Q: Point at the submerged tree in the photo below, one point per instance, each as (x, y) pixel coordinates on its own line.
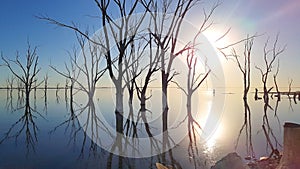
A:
(86, 64)
(269, 55)
(275, 82)
(123, 34)
(244, 64)
(26, 72)
(194, 81)
(133, 69)
(166, 31)
(118, 35)
(9, 86)
(9, 92)
(152, 67)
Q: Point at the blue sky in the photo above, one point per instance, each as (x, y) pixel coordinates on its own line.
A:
(17, 24)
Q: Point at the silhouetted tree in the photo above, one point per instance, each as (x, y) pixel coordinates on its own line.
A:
(124, 33)
(152, 67)
(290, 81)
(45, 92)
(115, 34)
(26, 72)
(9, 86)
(194, 81)
(167, 38)
(275, 82)
(269, 56)
(133, 69)
(85, 64)
(9, 93)
(244, 64)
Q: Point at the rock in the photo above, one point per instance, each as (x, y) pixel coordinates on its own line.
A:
(291, 147)
(160, 166)
(248, 158)
(265, 163)
(230, 161)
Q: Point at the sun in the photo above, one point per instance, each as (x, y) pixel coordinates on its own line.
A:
(217, 38)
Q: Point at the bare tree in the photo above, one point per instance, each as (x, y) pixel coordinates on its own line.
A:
(269, 55)
(19, 87)
(9, 92)
(245, 64)
(116, 34)
(152, 67)
(56, 93)
(46, 82)
(132, 71)
(45, 92)
(66, 91)
(9, 85)
(167, 38)
(27, 72)
(275, 81)
(86, 64)
(194, 81)
(124, 34)
(10, 82)
(290, 82)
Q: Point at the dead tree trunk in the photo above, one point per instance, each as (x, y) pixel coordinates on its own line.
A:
(167, 36)
(275, 82)
(133, 70)
(119, 107)
(290, 88)
(165, 107)
(194, 81)
(245, 67)
(29, 69)
(274, 52)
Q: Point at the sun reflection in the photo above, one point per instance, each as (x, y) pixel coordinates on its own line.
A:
(210, 145)
(211, 131)
(212, 139)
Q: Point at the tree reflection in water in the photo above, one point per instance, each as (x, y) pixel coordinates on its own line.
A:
(272, 143)
(84, 127)
(247, 126)
(268, 130)
(24, 125)
(77, 131)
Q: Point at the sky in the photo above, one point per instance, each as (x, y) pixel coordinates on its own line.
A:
(268, 17)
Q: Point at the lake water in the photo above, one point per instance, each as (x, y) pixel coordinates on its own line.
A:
(55, 134)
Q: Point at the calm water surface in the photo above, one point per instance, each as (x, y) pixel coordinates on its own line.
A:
(54, 134)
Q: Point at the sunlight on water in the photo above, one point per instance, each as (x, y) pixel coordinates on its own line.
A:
(67, 137)
(211, 142)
